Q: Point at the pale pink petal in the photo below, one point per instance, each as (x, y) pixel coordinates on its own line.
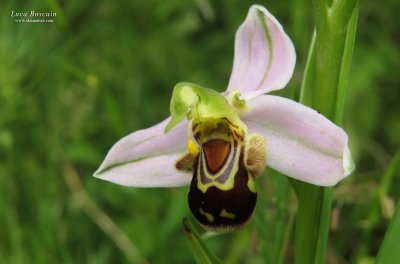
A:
(158, 171)
(301, 143)
(264, 55)
(146, 158)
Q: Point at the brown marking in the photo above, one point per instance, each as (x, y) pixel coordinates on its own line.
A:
(185, 162)
(238, 136)
(217, 151)
(239, 200)
(227, 120)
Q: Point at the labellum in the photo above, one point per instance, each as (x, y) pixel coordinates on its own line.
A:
(222, 194)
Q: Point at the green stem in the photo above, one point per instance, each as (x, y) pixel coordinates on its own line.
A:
(324, 223)
(312, 223)
(323, 88)
(307, 222)
(331, 27)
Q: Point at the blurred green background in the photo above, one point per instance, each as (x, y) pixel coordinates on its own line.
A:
(70, 89)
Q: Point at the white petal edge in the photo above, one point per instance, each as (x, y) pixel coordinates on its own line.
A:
(301, 143)
(264, 57)
(146, 158)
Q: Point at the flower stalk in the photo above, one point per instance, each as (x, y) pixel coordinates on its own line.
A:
(323, 88)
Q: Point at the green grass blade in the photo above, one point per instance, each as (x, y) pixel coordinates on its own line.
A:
(201, 252)
(389, 174)
(376, 210)
(389, 252)
(307, 84)
(346, 63)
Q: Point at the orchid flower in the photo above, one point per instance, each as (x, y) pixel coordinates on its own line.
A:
(219, 143)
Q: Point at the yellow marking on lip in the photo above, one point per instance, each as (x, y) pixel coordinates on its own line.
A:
(192, 148)
(225, 214)
(251, 184)
(209, 216)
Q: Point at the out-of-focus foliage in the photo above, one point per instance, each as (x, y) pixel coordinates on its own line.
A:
(70, 89)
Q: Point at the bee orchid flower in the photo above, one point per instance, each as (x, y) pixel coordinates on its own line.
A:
(219, 143)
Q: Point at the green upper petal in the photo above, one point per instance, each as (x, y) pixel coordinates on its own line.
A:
(201, 104)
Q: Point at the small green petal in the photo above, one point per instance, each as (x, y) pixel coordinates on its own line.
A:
(200, 104)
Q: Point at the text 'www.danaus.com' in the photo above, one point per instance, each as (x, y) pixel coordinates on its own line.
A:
(34, 20)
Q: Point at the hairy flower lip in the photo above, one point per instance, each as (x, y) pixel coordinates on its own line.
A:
(301, 143)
